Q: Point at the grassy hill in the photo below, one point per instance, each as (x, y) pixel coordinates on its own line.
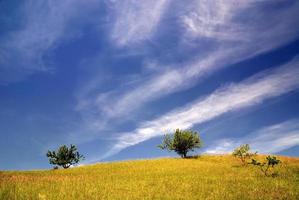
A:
(206, 177)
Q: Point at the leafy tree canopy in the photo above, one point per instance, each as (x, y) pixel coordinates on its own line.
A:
(65, 156)
(182, 141)
(243, 153)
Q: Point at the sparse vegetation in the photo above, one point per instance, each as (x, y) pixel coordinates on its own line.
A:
(243, 153)
(64, 156)
(204, 177)
(181, 142)
(208, 177)
(267, 167)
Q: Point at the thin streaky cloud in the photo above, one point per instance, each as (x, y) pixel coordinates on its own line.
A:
(270, 139)
(253, 38)
(250, 92)
(213, 19)
(136, 21)
(43, 27)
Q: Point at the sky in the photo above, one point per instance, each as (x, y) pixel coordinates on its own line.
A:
(113, 77)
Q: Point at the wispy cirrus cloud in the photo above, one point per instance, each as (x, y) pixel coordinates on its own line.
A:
(214, 19)
(250, 92)
(270, 139)
(135, 20)
(259, 30)
(44, 25)
(232, 40)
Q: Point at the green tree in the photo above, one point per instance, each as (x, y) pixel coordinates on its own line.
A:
(243, 153)
(182, 141)
(65, 156)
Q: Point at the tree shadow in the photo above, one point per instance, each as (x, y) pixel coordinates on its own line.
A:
(193, 157)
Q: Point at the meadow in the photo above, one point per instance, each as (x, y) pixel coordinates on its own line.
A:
(205, 177)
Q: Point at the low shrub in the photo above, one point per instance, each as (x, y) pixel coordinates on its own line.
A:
(267, 167)
(243, 153)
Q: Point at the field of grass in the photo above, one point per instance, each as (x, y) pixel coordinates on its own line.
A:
(206, 177)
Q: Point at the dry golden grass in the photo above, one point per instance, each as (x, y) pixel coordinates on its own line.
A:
(207, 177)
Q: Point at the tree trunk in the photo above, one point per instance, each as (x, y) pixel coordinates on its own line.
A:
(66, 166)
(185, 155)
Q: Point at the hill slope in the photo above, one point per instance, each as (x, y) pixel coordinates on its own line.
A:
(207, 177)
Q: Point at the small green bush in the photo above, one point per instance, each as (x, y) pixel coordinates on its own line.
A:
(267, 167)
(243, 153)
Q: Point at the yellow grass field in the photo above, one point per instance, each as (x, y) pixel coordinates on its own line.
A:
(206, 177)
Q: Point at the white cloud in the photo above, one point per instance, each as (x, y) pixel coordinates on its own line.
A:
(235, 40)
(43, 26)
(252, 91)
(250, 25)
(214, 19)
(136, 20)
(271, 139)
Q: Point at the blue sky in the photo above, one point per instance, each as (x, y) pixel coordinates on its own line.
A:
(113, 77)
